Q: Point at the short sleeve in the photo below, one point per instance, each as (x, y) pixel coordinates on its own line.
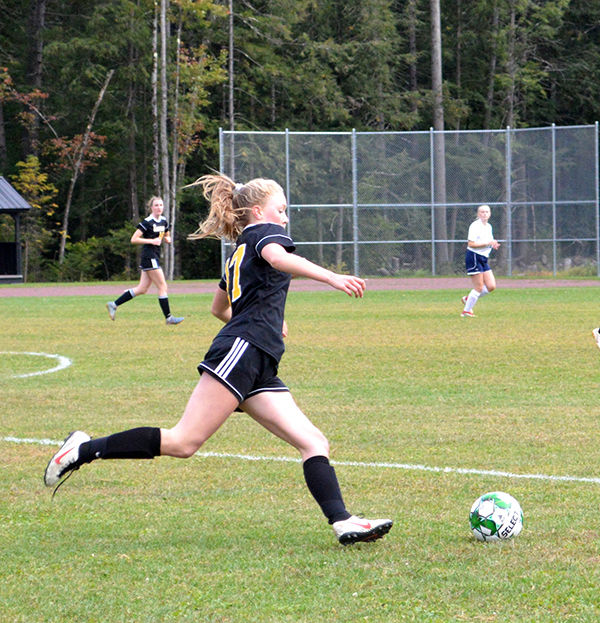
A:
(275, 234)
(472, 235)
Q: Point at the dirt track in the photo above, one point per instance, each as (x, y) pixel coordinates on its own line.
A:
(298, 285)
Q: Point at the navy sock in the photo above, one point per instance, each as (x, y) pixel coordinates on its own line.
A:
(323, 484)
(136, 443)
(164, 305)
(126, 296)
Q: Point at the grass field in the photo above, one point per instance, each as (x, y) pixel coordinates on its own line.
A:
(398, 381)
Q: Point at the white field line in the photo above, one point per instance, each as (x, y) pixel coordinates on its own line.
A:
(402, 466)
(63, 362)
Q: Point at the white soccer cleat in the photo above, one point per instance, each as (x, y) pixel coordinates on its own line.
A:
(464, 299)
(112, 309)
(356, 529)
(62, 462)
(596, 334)
(468, 314)
(174, 320)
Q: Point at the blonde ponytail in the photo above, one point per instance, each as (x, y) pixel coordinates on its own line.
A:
(230, 204)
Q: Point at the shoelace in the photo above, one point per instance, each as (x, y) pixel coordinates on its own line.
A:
(62, 482)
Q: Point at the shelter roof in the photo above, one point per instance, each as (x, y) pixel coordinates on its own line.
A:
(10, 199)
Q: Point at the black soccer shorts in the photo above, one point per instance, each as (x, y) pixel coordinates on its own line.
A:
(149, 263)
(242, 367)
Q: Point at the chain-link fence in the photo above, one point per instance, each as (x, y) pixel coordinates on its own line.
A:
(400, 203)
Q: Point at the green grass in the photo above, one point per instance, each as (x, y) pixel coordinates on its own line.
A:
(397, 378)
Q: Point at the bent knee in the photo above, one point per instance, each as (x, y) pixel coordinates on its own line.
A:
(319, 444)
(179, 448)
(185, 451)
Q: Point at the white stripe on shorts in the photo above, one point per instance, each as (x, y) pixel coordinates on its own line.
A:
(232, 357)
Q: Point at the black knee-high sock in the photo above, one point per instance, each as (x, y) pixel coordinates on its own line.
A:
(323, 484)
(164, 305)
(136, 443)
(126, 296)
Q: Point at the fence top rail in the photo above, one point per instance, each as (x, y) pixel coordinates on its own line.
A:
(428, 241)
(500, 204)
(286, 132)
(403, 132)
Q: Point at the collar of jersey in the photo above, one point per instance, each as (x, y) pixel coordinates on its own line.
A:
(264, 223)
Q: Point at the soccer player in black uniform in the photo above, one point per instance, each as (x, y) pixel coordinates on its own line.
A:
(239, 370)
(150, 232)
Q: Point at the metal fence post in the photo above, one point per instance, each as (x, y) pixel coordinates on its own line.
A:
(554, 199)
(597, 202)
(508, 199)
(221, 168)
(355, 204)
(432, 192)
(287, 179)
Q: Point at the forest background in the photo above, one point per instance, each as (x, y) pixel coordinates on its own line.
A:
(104, 103)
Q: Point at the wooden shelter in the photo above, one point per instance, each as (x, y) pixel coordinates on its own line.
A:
(12, 204)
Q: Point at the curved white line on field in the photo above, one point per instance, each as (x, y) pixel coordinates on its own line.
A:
(403, 466)
(63, 362)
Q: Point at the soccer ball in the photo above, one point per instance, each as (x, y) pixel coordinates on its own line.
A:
(496, 516)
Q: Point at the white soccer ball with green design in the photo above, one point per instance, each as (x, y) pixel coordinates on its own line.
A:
(496, 516)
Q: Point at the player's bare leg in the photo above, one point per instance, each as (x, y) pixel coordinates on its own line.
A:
(141, 288)
(278, 413)
(209, 406)
(157, 277)
(489, 281)
(473, 296)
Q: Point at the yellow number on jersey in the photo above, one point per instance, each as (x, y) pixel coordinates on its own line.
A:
(233, 288)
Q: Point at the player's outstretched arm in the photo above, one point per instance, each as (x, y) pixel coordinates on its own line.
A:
(298, 266)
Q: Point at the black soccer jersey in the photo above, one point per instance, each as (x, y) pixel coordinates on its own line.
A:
(150, 229)
(256, 290)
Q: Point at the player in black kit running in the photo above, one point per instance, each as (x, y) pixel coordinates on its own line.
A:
(150, 232)
(239, 371)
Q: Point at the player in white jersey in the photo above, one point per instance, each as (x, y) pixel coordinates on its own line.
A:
(596, 334)
(480, 243)
(239, 371)
(150, 232)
